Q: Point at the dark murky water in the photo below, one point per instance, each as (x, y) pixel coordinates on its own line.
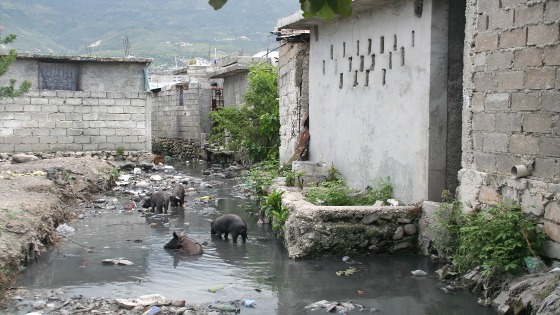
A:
(258, 270)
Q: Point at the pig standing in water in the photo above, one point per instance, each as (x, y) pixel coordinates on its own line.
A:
(229, 223)
(158, 200)
(177, 196)
(184, 244)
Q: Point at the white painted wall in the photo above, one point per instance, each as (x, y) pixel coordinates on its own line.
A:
(378, 130)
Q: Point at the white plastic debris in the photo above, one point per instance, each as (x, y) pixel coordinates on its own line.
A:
(65, 230)
(393, 202)
(156, 177)
(142, 184)
(144, 300)
(419, 273)
(124, 177)
(137, 170)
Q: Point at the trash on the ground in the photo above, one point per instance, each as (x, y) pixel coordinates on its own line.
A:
(129, 205)
(225, 308)
(556, 269)
(419, 273)
(154, 310)
(348, 272)
(117, 261)
(206, 198)
(142, 184)
(340, 307)
(345, 258)
(137, 171)
(65, 230)
(215, 289)
(168, 167)
(534, 264)
(144, 300)
(393, 202)
(361, 292)
(125, 177)
(156, 177)
(249, 303)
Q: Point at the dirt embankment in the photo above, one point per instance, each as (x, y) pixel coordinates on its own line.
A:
(36, 197)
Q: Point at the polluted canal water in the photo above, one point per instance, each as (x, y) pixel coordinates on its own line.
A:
(257, 272)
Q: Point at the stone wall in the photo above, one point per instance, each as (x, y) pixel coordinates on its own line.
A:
(293, 89)
(512, 110)
(326, 231)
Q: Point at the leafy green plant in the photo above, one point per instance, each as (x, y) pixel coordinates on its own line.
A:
(447, 222)
(5, 61)
(255, 125)
(293, 178)
(335, 193)
(274, 211)
(260, 176)
(120, 150)
(497, 238)
(115, 172)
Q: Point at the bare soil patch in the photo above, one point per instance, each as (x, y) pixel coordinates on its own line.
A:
(38, 196)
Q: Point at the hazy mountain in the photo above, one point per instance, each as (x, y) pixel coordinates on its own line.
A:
(162, 29)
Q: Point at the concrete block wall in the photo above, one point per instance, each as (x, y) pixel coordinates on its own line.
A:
(512, 108)
(293, 89)
(172, 120)
(49, 120)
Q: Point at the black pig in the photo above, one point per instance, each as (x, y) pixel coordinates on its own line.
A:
(229, 223)
(177, 195)
(158, 200)
(184, 244)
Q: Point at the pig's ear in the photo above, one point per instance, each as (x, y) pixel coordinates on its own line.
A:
(175, 235)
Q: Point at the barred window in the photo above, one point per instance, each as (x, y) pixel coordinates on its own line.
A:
(59, 76)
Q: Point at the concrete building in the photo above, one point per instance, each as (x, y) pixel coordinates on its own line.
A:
(76, 104)
(512, 109)
(383, 101)
(233, 69)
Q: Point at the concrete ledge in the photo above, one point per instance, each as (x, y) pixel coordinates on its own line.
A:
(324, 231)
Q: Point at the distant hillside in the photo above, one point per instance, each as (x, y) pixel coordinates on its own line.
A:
(162, 30)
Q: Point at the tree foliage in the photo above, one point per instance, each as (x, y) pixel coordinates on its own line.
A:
(254, 126)
(5, 61)
(326, 9)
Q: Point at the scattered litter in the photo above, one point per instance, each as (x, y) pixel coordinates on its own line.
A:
(348, 272)
(206, 198)
(168, 167)
(419, 273)
(225, 308)
(340, 307)
(249, 303)
(215, 289)
(557, 269)
(142, 184)
(345, 258)
(137, 171)
(144, 300)
(393, 202)
(65, 230)
(125, 177)
(152, 311)
(156, 177)
(117, 261)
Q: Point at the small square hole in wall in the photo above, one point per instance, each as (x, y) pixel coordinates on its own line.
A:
(390, 60)
(367, 78)
(402, 56)
(323, 67)
(355, 78)
(382, 44)
(383, 75)
(332, 52)
(413, 38)
(369, 46)
(372, 67)
(395, 42)
(341, 81)
(357, 48)
(349, 64)
(343, 50)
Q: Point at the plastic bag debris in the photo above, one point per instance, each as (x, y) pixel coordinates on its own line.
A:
(249, 303)
(65, 230)
(419, 273)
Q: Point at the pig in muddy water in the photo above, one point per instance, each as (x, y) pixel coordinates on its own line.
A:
(177, 197)
(184, 244)
(229, 223)
(158, 200)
